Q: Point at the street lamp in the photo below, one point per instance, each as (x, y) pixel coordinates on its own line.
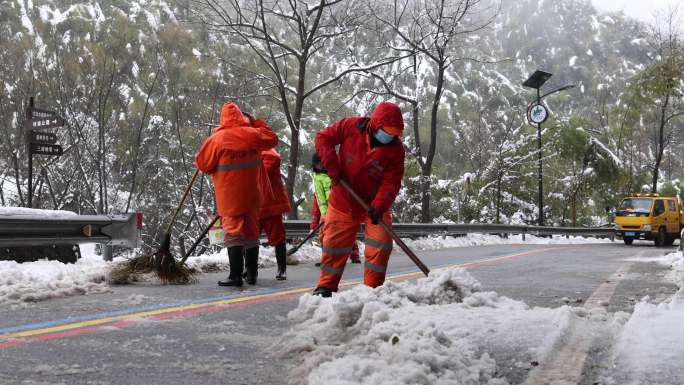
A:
(537, 114)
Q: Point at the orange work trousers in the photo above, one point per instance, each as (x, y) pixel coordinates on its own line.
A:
(274, 228)
(339, 235)
(241, 230)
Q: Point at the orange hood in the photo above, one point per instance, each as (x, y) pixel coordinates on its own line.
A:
(231, 116)
(387, 114)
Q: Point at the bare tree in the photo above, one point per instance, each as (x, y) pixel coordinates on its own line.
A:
(288, 38)
(659, 89)
(434, 30)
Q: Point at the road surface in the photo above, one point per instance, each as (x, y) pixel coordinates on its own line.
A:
(205, 334)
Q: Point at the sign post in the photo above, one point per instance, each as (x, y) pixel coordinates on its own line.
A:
(537, 113)
(39, 142)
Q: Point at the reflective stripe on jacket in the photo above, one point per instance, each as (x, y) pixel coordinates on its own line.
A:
(232, 156)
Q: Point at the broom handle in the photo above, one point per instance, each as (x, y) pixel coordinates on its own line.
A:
(387, 228)
(308, 236)
(180, 205)
(200, 238)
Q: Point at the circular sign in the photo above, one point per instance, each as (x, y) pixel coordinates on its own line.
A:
(537, 114)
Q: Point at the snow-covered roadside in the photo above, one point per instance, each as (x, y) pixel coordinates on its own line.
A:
(25, 212)
(41, 280)
(436, 330)
(650, 348)
(438, 242)
(22, 283)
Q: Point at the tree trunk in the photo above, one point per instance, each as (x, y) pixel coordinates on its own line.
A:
(294, 141)
(498, 200)
(426, 170)
(660, 144)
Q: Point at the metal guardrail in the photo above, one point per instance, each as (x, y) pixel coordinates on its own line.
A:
(29, 230)
(412, 230)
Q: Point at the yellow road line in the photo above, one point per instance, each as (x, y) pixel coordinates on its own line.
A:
(148, 313)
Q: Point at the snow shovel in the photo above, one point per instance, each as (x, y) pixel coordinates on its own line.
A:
(389, 230)
(306, 239)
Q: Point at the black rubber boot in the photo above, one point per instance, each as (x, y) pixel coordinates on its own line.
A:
(235, 258)
(281, 260)
(323, 292)
(252, 264)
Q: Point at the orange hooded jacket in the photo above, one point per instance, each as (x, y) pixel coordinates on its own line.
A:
(274, 196)
(232, 156)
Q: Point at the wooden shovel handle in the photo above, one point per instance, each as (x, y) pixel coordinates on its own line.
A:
(387, 228)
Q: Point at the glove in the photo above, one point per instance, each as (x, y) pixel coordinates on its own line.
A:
(374, 215)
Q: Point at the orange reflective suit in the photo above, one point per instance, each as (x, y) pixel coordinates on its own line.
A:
(375, 171)
(274, 199)
(232, 156)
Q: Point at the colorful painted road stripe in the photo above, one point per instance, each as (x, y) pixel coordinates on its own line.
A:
(46, 331)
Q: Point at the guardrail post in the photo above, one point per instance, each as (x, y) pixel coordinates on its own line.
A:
(107, 251)
(524, 231)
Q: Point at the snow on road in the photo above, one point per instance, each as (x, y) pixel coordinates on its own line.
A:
(42, 280)
(650, 348)
(436, 330)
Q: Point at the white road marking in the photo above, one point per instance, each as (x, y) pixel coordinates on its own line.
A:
(564, 367)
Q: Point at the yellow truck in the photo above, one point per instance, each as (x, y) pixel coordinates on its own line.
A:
(651, 217)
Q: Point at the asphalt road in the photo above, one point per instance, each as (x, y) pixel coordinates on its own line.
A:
(205, 334)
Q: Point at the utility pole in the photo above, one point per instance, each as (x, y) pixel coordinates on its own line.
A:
(540, 173)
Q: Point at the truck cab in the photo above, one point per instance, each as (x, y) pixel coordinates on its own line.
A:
(651, 217)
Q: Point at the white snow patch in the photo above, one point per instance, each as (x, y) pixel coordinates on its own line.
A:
(650, 347)
(219, 261)
(438, 242)
(41, 280)
(435, 330)
(23, 212)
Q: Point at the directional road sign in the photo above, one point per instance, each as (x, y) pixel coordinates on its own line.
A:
(37, 113)
(43, 137)
(42, 124)
(46, 149)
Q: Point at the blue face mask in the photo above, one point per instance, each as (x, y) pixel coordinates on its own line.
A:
(383, 137)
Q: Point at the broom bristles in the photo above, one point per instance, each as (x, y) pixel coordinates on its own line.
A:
(162, 263)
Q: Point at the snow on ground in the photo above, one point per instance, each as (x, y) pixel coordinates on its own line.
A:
(219, 261)
(435, 330)
(650, 348)
(438, 242)
(41, 280)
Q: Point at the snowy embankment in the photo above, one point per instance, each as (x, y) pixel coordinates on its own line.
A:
(650, 347)
(41, 280)
(436, 330)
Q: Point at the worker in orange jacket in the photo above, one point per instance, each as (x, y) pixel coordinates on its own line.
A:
(232, 156)
(371, 159)
(274, 204)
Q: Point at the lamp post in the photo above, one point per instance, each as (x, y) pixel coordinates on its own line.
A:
(537, 114)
